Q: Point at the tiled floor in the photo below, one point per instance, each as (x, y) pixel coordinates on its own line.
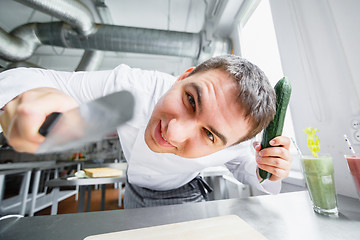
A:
(69, 205)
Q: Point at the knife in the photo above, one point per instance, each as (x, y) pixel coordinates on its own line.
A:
(87, 123)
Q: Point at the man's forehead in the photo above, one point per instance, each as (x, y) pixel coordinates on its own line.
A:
(224, 112)
(217, 77)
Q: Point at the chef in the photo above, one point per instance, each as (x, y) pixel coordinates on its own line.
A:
(204, 117)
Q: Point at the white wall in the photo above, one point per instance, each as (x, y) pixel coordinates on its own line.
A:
(320, 52)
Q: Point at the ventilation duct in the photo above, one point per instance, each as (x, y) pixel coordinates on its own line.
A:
(80, 18)
(105, 37)
(103, 12)
(75, 13)
(22, 64)
(92, 59)
(122, 39)
(21, 43)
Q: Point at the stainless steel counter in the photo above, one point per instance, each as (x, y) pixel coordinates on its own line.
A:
(284, 216)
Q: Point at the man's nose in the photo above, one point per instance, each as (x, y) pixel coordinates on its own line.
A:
(180, 130)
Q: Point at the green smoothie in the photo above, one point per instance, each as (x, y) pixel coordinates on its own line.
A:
(319, 174)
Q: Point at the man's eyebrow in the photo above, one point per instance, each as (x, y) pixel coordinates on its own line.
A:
(198, 90)
(222, 137)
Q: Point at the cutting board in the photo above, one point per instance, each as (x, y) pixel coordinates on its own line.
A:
(230, 227)
(103, 172)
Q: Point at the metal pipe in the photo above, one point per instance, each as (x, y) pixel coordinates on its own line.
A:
(107, 38)
(79, 17)
(92, 59)
(22, 64)
(103, 12)
(20, 44)
(122, 39)
(75, 13)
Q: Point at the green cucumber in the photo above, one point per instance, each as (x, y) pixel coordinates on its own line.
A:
(275, 127)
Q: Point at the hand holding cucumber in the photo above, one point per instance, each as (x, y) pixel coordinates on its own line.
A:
(275, 148)
(276, 159)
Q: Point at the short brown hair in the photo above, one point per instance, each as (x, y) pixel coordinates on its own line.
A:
(255, 95)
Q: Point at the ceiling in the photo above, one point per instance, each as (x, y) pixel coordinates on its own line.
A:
(173, 15)
(177, 15)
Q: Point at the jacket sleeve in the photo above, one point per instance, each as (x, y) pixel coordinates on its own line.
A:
(244, 167)
(82, 86)
(86, 86)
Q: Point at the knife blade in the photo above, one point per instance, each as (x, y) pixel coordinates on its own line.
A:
(87, 123)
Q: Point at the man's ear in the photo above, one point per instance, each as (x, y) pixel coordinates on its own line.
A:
(185, 74)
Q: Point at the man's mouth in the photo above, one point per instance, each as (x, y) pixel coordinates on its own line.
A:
(162, 135)
(160, 138)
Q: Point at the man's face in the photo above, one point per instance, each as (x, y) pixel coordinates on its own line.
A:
(198, 116)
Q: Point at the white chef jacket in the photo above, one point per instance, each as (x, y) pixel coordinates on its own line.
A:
(157, 171)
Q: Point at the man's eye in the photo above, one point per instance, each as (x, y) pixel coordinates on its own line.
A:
(191, 101)
(210, 135)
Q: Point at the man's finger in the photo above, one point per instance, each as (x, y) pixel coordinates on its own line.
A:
(280, 141)
(257, 146)
(276, 152)
(278, 172)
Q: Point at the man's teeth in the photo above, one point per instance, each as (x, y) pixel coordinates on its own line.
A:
(163, 136)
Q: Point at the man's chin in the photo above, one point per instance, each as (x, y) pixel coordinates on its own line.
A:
(151, 145)
(150, 142)
(157, 149)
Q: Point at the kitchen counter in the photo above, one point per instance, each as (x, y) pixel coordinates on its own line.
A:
(284, 216)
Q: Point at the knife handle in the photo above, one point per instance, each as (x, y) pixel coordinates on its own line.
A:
(49, 123)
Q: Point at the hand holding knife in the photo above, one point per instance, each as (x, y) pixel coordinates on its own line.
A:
(88, 122)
